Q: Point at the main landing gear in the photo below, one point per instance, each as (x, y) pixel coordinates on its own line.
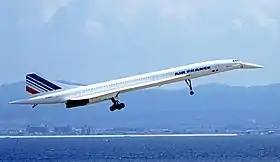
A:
(116, 105)
(189, 82)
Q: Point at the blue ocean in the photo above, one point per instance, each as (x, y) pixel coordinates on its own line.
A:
(240, 148)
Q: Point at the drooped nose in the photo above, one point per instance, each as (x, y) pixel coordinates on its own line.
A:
(246, 65)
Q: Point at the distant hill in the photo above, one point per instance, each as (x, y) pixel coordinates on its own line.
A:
(213, 104)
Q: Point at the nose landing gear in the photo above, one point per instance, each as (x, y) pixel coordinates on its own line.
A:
(189, 82)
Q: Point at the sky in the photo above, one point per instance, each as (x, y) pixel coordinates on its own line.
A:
(96, 40)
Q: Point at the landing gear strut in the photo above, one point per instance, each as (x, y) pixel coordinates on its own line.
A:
(116, 105)
(189, 82)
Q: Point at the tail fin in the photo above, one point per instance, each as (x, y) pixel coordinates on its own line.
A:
(36, 84)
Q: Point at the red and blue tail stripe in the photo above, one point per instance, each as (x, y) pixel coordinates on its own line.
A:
(33, 85)
(36, 84)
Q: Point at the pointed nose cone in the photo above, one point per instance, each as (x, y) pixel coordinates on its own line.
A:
(246, 65)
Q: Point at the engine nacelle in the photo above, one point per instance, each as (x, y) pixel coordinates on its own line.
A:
(76, 103)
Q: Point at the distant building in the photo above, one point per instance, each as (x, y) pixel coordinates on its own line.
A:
(37, 130)
(63, 130)
(86, 130)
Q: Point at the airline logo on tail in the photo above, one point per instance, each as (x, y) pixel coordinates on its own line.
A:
(36, 84)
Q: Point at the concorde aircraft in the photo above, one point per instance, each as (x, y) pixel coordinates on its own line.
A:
(45, 91)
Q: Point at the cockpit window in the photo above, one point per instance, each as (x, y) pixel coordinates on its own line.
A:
(236, 61)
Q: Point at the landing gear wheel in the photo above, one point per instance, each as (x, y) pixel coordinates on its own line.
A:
(191, 92)
(116, 105)
(112, 108)
(121, 106)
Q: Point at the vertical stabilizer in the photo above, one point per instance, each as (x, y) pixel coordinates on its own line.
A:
(36, 84)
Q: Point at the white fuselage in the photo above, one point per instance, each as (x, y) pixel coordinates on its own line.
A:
(193, 71)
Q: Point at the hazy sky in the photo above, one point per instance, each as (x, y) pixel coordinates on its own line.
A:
(94, 40)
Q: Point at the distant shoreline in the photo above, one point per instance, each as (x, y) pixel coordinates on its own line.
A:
(123, 135)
